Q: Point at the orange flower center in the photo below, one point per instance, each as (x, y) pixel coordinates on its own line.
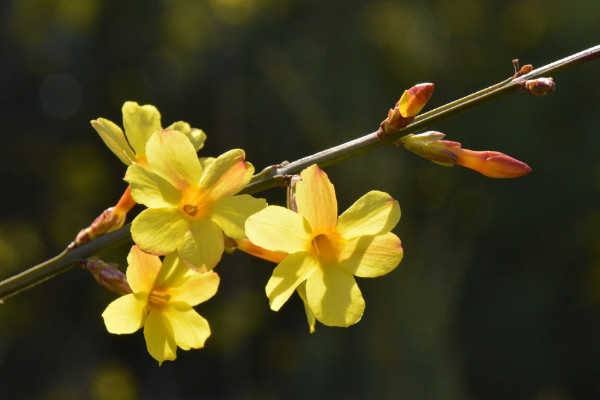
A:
(326, 247)
(195, 202)
(157, 300)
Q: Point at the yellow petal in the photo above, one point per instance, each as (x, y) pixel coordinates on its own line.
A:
(371, 256)
(194, 287)
(227, 174)
(196, 136)
(171, 155)
(374, 213)
(126, 314)
(292, 271)
(315, 197)
(278, 229)
(202, 247)
(114, 138)
(231, 212)
(334, 297)
(310, 317)
(142, 270)
(150, 189)
(159, 230)
(160, 339)
(190, 329)
(140, 122)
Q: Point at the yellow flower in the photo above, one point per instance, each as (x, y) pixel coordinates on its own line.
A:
(140, 122)
(161, 302)
(324, 252)
(190, 202)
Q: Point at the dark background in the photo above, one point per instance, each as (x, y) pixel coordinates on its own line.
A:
(498, 296)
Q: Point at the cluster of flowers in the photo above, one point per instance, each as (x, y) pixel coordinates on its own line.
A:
(194, 211)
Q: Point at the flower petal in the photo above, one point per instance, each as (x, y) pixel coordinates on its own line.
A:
(315, 198)
(142, 270)
(231, 212)
(197, 287)
(292, 271)
(160, 339)
(310, 317)
(334, 297)
(171, 155)
(126, 314)
(159, 230)
(196, 136)
(189, 328)
(278, 229)
(374, 213)
(227, 174)
(150, 189)
(202, 247)
(114, 138)
(371, 256)
(140, 122)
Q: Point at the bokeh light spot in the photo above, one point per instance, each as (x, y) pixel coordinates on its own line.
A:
(61, 95)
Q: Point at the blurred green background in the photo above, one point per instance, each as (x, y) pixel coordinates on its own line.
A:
(498, 296)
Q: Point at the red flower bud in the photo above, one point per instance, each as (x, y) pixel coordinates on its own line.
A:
(489, 163)
(410, 104)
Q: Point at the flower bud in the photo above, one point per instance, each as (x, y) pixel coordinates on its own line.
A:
(492, 163)
(414, 99)
(489, 163)
(107, 275)
(110, 220)
(539, 87)
(410, 104)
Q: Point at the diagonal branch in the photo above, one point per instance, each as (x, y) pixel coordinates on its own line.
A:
(275, 175)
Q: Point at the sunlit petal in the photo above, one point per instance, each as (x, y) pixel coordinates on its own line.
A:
(198, 287)
(372, 214)
(150, 189)
(189, 328)
(202, 247)
(231, 212)
(159, 230)
(371, 256)
(142, 270)
(310, 317)
(114, 138)
(140, 122)
(160, 339)
(126, 314)
(196, 136)
(315, 197)
(286, 277)
(334, 297)
(171, 155)
(227, 174)
(278, 229)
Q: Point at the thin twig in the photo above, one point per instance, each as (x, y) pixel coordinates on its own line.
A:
(275, 175)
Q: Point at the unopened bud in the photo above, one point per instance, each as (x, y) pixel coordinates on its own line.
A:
(539, 87)
(109, 220)
(423, 145)
(410, 104)
(493, 164)
(414, 99)
(107, 275)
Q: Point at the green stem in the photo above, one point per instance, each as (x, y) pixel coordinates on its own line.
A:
(275, 175)
(61, 263)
